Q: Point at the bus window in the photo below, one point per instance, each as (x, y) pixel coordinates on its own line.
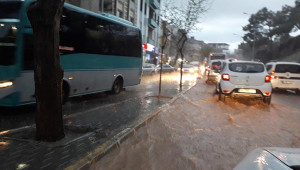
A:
(8, 33)
(72, 32)
(10, 9)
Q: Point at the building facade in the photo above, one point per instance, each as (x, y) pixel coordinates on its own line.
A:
(193, 49)
(220, 46)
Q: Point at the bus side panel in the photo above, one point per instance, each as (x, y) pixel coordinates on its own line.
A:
(21, 92)
(91, 72)
(85, 82)
(25, 84)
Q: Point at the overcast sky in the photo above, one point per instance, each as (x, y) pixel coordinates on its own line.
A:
(224, 20)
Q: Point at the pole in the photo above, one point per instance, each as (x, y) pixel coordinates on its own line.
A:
(160, 72)
(181, 64)
(253, 48)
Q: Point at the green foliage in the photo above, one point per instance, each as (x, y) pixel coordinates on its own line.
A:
(268, 30)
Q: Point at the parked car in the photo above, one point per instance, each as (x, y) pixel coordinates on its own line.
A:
(285, 75)
(271, 158)
(148, 69)
(165, 68)
(195, 63)
(214, 70)
(244, 79)
(187, 68)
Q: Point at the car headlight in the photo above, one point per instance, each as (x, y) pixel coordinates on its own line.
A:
(191, 70)
(178, 69)
(5, 84)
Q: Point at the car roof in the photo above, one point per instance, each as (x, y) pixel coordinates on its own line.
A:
(283, 62)
(250, 62)
(217, 60)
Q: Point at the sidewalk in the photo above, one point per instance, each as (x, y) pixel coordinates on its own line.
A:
(88, 136)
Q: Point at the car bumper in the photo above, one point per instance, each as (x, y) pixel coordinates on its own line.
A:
(285, 84)
(248, 91)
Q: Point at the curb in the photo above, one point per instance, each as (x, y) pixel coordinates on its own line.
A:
(87, 161)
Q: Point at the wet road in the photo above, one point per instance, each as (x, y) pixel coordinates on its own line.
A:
(199, 132)
(134, 100)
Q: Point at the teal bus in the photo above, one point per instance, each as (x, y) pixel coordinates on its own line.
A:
(98, 52)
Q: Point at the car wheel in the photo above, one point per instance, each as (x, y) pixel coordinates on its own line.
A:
(117, 86)
(221, 96)
(267, 100)
(298, 91)
(217, 89)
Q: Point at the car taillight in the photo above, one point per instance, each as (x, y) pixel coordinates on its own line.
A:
(225, 77)
(273, 76)
(268, 78)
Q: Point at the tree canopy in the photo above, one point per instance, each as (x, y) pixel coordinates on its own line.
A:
(268, 30)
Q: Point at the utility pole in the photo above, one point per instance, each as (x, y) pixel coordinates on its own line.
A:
(253, 49)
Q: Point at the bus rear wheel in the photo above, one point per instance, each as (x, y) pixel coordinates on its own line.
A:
(117, 86)
(65, 93)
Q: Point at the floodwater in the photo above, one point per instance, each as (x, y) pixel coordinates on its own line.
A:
(199, 132)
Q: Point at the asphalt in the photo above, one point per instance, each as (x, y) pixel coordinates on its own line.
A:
(89, 137)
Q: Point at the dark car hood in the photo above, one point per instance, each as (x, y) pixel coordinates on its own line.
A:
(271, 158)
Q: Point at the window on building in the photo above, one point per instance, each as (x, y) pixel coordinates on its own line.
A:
(120, 13)
(145, 9)
(141, 6)
(132, 20)
(150, 33)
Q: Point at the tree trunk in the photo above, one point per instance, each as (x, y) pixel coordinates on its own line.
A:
(44, 16)
(180, 46)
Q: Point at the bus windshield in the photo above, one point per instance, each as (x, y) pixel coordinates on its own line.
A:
(9, 11)
(8, 33)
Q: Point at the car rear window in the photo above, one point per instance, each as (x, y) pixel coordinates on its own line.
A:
(269, 67)
(246, 67)
(291, 68)
(216, 65)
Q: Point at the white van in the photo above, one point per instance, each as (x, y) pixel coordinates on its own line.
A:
(285, 75)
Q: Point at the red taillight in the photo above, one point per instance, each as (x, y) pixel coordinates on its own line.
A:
(268, 78)
(274, 77)
(267, 93)
(225, 77)
(225, 91)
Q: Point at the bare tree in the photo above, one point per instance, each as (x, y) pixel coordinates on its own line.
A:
(184, 15)
(44, 16)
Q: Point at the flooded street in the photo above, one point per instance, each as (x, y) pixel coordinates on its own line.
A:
(132, 100)
(199, 132)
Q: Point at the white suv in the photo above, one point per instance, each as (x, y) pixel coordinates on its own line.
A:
(285, 75)
(244, 79)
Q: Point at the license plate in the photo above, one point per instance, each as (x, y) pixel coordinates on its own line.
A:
(287, 82)
(247, 90)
